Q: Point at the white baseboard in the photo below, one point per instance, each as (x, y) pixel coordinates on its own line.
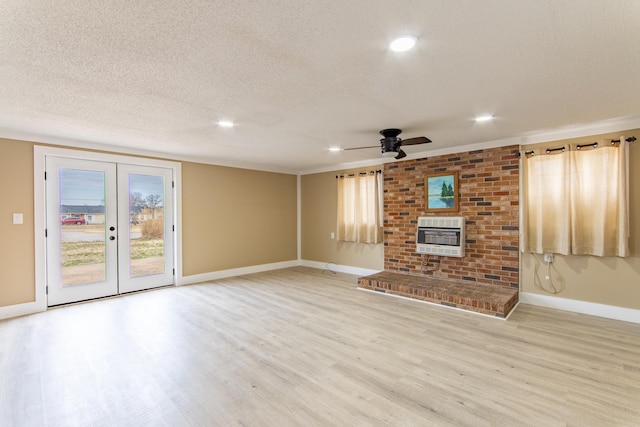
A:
(583, 307)
(339, 268)
(21, 309)
(39, 306)
(223, 274)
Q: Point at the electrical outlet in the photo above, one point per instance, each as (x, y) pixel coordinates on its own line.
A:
(548, 258)
(333, 235)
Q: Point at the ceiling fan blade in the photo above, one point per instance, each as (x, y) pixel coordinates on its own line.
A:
(360, 148)
(401, 154)
(415, 141)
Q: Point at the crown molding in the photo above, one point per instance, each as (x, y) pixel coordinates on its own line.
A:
(547, 135)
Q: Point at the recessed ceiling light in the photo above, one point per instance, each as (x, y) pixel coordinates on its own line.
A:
(403, 43)
(225, 123)
(335, 149)
(486, 118)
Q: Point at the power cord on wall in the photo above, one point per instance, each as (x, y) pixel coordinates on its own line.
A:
(328, 269)
(425, 264)
(551, 287)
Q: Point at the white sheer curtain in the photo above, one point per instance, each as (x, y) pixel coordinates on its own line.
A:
(577, 201)
(600, 201)
(360, 208)
(547, 227)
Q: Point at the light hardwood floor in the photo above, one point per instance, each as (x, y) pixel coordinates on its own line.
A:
(299, 347)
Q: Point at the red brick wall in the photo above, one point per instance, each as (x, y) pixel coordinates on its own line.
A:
(488, 200)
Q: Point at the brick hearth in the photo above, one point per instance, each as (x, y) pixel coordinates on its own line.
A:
(486, 299)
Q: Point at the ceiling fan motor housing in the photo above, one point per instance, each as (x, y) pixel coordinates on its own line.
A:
(390, 145)
(390, 133)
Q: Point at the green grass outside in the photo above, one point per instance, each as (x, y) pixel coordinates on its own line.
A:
(83, 253)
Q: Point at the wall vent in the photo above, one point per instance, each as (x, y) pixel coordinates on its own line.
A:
(441, 235)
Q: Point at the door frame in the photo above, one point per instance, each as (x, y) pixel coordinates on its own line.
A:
(40, 153)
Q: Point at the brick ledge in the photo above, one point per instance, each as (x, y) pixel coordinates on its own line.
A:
(486, 299)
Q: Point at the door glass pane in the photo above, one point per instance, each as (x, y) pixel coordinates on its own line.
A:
(146, 225)
(82, 231)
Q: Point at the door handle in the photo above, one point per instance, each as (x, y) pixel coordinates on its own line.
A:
(112, 237)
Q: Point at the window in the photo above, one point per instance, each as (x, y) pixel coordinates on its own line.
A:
(576, 201)
(360, 208)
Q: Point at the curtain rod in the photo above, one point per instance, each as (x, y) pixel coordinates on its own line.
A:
(551, 150)
(630, 139)
(351, 175)
(578, 147)
(593, 144)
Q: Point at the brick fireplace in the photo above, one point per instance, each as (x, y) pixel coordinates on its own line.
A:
(488, 200)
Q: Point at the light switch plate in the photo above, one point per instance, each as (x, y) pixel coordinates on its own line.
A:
(18, 218)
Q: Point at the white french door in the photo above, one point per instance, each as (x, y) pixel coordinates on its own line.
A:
(82, 254)
(109, 228)
(145, 215)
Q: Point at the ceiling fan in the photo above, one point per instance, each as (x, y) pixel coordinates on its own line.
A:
(390, 143)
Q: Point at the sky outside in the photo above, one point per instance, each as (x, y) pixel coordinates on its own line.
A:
(81, 187)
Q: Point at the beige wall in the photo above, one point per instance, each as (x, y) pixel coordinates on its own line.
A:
(612, 281)
(236, 218)
(319, 207)
(17, 277)
(231, 218)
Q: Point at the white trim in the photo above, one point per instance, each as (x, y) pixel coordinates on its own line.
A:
(353, 165)
(232, 272)
(44, 150)
(589, 129)
(177, 237)
(442, 305)
(521, 203)
(583, 307)
(39, 154)
(48, 140)
(421, 154)
(39, 226)
(338, 268)
(299, 217)
(21, 309)
(575, 131)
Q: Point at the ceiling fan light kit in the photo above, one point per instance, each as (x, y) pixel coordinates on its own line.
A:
(389, 154)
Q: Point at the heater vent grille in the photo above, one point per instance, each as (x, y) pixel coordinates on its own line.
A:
(441, 221)
(441, 236)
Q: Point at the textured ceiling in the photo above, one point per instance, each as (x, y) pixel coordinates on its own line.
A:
(300, 76)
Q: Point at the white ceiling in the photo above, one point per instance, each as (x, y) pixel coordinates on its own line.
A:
(299, 76)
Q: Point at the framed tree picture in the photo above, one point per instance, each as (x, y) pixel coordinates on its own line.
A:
(441, 192)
